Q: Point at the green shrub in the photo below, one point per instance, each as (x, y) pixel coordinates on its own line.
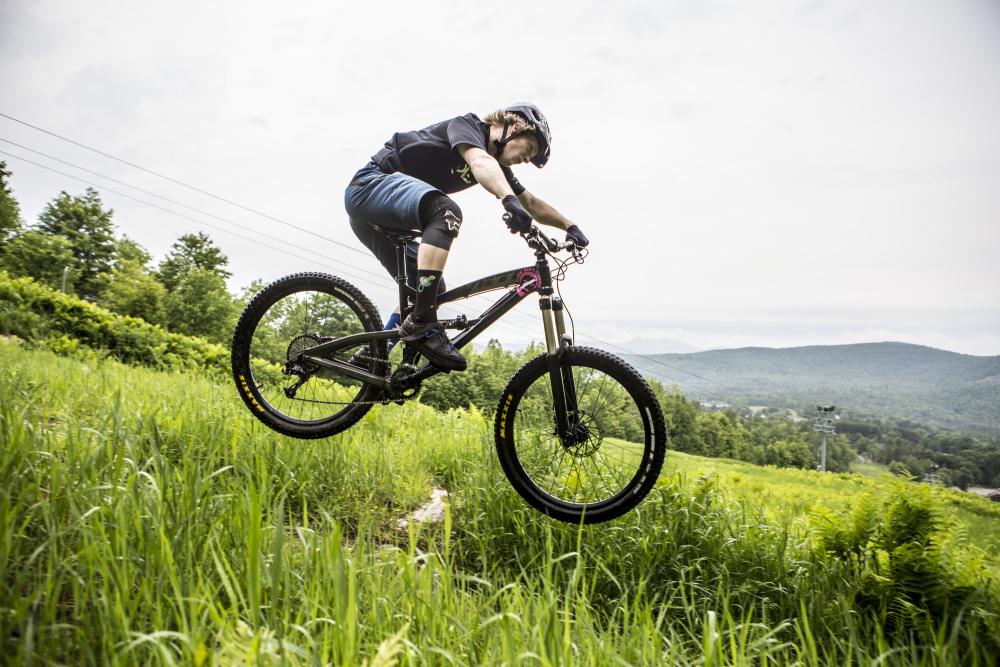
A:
(48, 318)
(905, 576)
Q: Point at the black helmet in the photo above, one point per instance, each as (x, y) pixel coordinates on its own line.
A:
(533, 115)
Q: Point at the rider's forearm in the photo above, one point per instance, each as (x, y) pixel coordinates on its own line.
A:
(489, 175)
(545, 214)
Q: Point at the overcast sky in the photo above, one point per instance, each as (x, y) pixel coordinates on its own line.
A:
(769, 173)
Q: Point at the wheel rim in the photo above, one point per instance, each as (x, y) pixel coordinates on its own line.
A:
(607, 450)
(294, 322)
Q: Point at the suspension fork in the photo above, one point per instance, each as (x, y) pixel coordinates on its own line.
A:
(560, 376)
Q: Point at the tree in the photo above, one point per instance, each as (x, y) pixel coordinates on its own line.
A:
(790, 453)
(680, 416)
(720, 434)
(10, 210)
(200, 305)
(41, 256)
(482, 383)
(127, 250)
(88, 227)
(130, 288)
(192, 252)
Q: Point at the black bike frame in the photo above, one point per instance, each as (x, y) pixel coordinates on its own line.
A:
(519, 283)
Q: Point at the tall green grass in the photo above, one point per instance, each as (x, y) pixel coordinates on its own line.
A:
(146, 518)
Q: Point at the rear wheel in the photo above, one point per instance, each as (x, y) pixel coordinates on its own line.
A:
(288, 316)
(599, 463)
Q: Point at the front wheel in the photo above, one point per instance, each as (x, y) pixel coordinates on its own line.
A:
(597, 454)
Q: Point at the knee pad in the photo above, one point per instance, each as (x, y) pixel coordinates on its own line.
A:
(441, 218)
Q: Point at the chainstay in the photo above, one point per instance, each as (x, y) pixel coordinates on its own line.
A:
(398, 399)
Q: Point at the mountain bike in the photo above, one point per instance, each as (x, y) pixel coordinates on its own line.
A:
(579, 433)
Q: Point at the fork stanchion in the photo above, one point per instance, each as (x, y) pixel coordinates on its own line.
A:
(545, 304)
(562, 338)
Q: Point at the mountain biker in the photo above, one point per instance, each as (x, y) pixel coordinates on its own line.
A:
(405, 187)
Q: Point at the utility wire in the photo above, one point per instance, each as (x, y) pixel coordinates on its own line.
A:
(191, 187)
(256, 212)
(172, 201)
(187, 217)
(185, 185)
(664, 364)
(338, 267)
(196, 210)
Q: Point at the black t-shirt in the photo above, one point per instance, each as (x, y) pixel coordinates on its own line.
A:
(431, 154)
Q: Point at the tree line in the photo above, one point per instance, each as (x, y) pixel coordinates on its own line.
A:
(910, 448)
(73, 246)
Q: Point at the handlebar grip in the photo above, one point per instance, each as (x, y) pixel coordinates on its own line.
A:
(507, 217)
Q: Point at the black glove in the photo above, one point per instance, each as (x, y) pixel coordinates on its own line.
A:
(575, 234)
(517, 219)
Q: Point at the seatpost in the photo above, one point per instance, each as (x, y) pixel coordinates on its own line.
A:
(404, 300)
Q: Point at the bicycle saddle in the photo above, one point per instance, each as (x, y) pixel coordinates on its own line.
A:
(397, 234)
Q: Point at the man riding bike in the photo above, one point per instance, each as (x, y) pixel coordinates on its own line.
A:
(405, 187)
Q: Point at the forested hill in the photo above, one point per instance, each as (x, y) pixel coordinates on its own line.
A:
(899, 379)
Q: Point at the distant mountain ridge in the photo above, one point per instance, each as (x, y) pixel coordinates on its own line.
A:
(900, 379)
(657, 346)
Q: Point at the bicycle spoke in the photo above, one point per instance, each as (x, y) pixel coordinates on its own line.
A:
(291, 325)
(597, 410)
(598, 466)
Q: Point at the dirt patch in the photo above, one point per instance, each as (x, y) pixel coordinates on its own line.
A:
(430, 512)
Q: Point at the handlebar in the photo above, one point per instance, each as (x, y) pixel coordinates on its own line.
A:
(551, 244)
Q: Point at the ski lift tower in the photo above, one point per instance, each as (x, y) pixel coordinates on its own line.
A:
(823, 423)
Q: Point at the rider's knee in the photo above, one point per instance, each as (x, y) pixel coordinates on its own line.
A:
(441, 218)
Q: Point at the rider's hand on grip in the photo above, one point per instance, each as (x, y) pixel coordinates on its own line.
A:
(575, 234)
(517, 219)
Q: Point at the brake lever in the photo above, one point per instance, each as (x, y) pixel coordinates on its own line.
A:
(550, 243)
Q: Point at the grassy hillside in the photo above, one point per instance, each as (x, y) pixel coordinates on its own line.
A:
(921, 383)
(145, 518)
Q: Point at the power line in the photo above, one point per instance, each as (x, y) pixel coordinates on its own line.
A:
(166, 199)
(262, 214)
(338, 268)
(191, 208)
(182, 184)
(661, 363)
(181, 215)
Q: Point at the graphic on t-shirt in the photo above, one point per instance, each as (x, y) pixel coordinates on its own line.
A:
(464, 172)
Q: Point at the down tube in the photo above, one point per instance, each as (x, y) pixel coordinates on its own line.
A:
(494, 313)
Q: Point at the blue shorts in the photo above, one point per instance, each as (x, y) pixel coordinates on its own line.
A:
(386, 200)
(391, 201)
